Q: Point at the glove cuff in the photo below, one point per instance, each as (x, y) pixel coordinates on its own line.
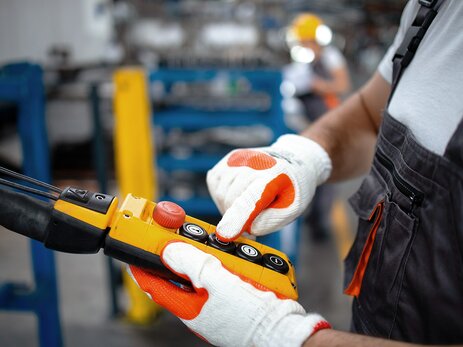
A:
(286, 324)
(309, 152)
(293, 330)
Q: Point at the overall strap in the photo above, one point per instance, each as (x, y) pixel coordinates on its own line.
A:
(454, 150)
(412, 38)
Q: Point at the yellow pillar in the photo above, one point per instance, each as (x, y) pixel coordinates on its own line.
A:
(133, 141)
(134, 158)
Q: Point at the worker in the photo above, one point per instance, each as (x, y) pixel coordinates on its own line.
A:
(319, 77)
(318, 70)
(405, 268)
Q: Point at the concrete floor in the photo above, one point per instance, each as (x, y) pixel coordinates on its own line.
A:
(84, 302)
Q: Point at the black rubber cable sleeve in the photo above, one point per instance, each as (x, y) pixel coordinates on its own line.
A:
(24, 215)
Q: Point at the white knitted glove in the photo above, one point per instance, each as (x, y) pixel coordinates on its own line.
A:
(260, 190)
(223, 309)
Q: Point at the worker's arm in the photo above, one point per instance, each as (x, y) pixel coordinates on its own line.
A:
(334, 338)
(348, 133)
(338, 84)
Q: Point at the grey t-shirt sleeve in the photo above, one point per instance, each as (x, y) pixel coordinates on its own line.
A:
(408, 14)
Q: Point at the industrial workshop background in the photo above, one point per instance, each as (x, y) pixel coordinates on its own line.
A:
(144, 96)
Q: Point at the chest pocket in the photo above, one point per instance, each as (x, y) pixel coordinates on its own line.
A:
(375, 265)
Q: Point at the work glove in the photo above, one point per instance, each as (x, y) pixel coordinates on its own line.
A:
(222, 308)
(260, 190)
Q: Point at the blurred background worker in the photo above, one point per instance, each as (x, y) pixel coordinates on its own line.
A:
(319, 70)
(320, 77)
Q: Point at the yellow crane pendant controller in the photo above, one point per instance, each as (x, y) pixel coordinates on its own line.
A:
(81, 221)
(140, 230)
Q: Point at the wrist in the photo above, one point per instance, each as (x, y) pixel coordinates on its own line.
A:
(319, 338)
(309, 152)
(296, 329)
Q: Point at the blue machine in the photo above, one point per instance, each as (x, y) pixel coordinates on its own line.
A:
(22, 83)
(199, 110)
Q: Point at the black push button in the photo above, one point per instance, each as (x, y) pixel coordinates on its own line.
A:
(249, 253)
(194, 232)
(214, 242)
(80, 195)
(97, 202)
(275, 262)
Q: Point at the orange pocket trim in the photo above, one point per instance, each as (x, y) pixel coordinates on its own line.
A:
(355, 285)
(331, 101)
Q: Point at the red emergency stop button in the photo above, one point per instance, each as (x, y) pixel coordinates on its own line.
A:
(169, 215)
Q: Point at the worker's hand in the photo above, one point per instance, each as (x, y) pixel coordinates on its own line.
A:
(260, 190)
(222, 308)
